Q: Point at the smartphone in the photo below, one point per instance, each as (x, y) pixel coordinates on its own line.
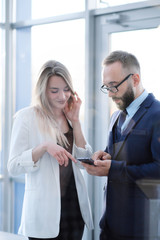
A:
(89, 161)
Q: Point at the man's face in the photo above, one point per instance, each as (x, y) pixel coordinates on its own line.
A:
(113, 74)
(125, 100)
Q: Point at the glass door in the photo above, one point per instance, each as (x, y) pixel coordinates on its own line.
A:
(133, 28)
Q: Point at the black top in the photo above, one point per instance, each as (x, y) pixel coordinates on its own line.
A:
(66, 172)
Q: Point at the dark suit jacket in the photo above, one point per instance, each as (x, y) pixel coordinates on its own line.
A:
(136, 156)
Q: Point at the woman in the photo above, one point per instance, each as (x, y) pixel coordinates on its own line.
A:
(46, 140)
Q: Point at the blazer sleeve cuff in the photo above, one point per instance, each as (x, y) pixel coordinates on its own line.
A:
(22, 164)
(27, 162)
(83, 152)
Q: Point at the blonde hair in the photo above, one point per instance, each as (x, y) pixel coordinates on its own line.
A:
(46, 120)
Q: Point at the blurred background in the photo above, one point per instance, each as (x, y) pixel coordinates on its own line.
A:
(79, 34)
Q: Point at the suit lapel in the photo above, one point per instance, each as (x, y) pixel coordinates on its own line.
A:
(136, 118)
(111, 133)
(133, 122)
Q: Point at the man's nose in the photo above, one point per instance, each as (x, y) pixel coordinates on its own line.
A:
(110, 94)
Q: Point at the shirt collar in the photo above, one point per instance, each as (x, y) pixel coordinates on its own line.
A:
(134, 106)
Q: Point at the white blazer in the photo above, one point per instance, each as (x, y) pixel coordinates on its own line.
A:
(42, 200)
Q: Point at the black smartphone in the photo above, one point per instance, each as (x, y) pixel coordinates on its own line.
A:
(89, 161)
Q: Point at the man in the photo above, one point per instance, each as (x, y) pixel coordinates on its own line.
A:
(133, 151)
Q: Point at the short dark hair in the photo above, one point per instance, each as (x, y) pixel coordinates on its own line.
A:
(127, 60)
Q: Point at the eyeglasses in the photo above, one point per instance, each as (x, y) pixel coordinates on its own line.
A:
(114, 89)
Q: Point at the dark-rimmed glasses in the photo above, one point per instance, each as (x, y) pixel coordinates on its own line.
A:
(114, 89)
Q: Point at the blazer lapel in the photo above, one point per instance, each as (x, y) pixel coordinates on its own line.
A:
(136, 118)
(111, 133)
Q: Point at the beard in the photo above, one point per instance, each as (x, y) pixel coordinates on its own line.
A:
(126, 99)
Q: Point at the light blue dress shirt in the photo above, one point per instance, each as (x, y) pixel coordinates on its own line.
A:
(133, 108)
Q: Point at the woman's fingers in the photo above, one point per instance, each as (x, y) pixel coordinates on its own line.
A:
(63, 158)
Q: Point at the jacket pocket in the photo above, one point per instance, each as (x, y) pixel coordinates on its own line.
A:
(139, 132)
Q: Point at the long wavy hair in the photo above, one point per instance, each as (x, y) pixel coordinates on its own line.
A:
(43, 110)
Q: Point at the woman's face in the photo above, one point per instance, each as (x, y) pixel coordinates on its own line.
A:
(58, 92)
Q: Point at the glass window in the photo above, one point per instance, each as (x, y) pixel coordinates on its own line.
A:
(110, 3)
(23, 68)
(18, 201)
(37, 9)
(2, 71)
(1, 212)
(2, 12)
(148, 55)
(21, 10)
(2, 77)
(50, 8)
(0, 99)
(63, 42)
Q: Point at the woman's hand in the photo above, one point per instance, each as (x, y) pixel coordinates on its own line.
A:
(72, 111)
(59, 153)
(55, 151)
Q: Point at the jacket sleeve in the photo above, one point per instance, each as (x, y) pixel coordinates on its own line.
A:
(20, 156)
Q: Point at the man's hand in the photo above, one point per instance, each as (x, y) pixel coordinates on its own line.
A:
(101, 155)
(100, 169)
(102, 164)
